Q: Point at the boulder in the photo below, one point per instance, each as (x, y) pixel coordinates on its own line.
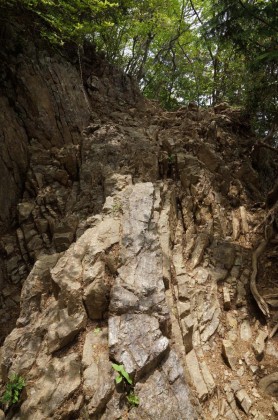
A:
(65, 329)
(136, 341)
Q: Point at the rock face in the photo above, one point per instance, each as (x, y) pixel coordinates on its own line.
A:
(127, 237)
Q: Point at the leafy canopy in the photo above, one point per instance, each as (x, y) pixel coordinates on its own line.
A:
(68, 19)
(178, 50)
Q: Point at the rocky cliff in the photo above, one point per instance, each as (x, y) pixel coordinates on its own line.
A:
(134, 236)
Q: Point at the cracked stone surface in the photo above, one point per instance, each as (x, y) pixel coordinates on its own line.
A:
(112, 252)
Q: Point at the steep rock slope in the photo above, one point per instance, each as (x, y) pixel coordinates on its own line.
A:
(143, 232)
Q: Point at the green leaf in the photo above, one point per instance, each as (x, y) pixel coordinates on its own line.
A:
(122, 372)
(133, 399)
(119, 379)
(126, 376)
(118, 368)
(13, 390)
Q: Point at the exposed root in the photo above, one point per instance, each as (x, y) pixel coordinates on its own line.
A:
(253, 286)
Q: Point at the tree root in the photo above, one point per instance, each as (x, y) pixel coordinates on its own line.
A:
(253, 286)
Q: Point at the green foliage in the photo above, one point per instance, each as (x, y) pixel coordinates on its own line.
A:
(122, 374)
(133, 400)
(13, 390)
(63, 20)
(117, 208)
(97, 330)
(178, 50)
(124, 377)
(250, 30)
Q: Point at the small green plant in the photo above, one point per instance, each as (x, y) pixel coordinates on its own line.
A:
(124, 377)
(133, 399)
(97, 330)
(122, 374)
(117, 208)
(170, 158)
(13, 390)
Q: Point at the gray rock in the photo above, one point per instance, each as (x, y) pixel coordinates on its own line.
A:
(245, 331)
(98, 383)
(68, 273)
(207, 377)
(140, 277)
(259, 345)
(228, 353)
(200, 247)
(241, 295)
(224, 254)
(96, 299)
(212, 321)
(243, 400)
(226, 298)
(37, 283)
(196, 375)
(275, 408)
(24, 210)
(168, 389)
(136, 341)
(57, 383)
(63, 331)
(187, 325)
(123, 300)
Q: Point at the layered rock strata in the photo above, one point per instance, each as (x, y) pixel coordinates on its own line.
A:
(133, 239)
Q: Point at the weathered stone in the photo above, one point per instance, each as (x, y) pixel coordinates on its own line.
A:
(96, 299)
(241, 295)
(209, 381)
(140, 275)
(123, 300)
(240, 372)
(189, 169)
(245, 331)
(187, 325)
(165, 241)
(59, 380)
(37, 283)
(93, 272)
(2, 415)
(136, 341)
(244, 221)
(213, 322)
(200, 247)
(236, 226)
(226, 298)
(208, 157)
(184, 309)
(148, 237)
(271, 349)
(168, 388)
(228, 353)
(98, 380)
(196, 375)
(243, 400)
(258, 345)
(63, 331)
(24, 210)
(68, 272)
(213, 411)
(275, 408)
(224, 254)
